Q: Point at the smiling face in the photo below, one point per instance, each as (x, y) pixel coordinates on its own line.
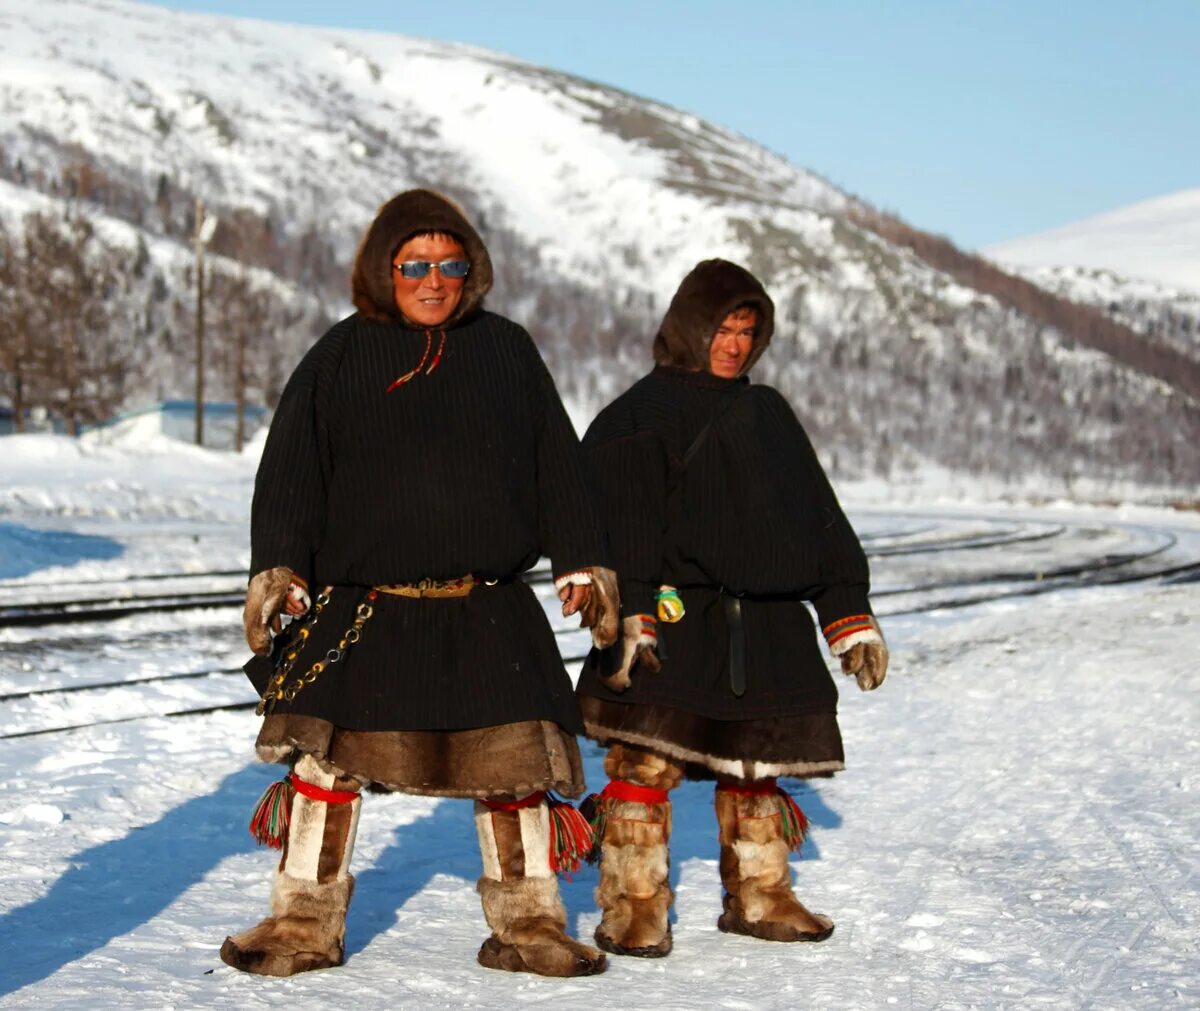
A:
(430, 300)
(732, 342)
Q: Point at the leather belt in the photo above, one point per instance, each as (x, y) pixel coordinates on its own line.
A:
(737, 643)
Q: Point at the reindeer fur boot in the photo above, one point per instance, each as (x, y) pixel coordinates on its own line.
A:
(312, 887)
(520, 894)
(633, 831)
(753, 821)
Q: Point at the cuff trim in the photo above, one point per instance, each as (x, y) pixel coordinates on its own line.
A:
(846, 632)
(844, 645)
(648, 633)
(581, 577)
(298, 589)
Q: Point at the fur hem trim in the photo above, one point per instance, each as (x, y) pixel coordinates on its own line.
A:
(734, 767)
(553, 759)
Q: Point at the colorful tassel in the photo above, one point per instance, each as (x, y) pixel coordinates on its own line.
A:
(795, 825)
(595, 810)
(269, 823)
(571, 838)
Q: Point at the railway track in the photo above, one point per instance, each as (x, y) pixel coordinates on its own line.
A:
(1110, 569)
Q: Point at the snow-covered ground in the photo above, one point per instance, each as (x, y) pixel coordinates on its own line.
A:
(1018, 825)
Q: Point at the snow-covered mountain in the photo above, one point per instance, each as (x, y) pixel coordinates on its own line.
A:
(1154, 240)
(594, 202)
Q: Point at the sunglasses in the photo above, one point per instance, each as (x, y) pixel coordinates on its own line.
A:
(416, 269)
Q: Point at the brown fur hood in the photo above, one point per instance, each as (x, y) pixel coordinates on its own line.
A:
(712, 290)
(415, 212)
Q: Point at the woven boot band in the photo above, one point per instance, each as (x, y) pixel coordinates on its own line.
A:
(532, 800)
(313, 792)
(620, 789)
(759, 788)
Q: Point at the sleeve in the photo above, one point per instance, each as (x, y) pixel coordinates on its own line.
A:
(569, 526)
(287, 518)
(630, 474)
(841, 596)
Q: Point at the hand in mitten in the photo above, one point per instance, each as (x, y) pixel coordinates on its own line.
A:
(592, 592)
(638, 642)
(858, 643)
(270, 592)
(868, 662)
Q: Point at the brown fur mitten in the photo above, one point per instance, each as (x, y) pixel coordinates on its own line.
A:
(600, 610)
(637, 647)
(868, 662)
(265, 597)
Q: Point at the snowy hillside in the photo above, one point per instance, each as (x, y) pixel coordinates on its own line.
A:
(594, 203)
(1154, 240)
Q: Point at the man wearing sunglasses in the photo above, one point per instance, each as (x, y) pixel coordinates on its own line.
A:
(419, 462)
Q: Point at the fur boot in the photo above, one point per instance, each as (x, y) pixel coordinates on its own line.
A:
(634, 829)
(312, 887)
(520, 894)
(758, 898)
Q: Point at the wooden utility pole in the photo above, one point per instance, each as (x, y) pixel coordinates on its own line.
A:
(206, 224)
(199, 322)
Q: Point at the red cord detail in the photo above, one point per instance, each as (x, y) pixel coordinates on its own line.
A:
(421, 364)
(313, 792)
(620, 789)
(759, 788)
(437, 357)
(515, 805)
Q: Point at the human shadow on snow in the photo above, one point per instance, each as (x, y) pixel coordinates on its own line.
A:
(24, 550)
(113, 887)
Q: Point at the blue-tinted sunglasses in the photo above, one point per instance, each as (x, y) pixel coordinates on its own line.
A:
(416, 269)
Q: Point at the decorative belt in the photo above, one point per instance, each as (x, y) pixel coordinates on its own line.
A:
(440, 588)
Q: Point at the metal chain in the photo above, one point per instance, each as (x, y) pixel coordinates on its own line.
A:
(276, 691)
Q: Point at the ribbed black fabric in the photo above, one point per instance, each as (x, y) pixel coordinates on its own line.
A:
(752, 513)
(472, 468)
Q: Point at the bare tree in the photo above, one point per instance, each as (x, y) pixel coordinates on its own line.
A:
(70, 290)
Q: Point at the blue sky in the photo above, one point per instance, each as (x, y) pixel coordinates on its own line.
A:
(983, 120)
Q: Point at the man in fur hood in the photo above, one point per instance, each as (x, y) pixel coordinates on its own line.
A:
(419, 462)
(722, 525)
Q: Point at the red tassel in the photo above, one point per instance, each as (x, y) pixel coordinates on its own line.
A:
(795, 825)
(269, 823)
(571, 838)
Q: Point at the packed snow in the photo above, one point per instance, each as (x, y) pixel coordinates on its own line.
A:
(1017, 826)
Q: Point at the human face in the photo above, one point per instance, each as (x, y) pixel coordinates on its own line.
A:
(432, 299)
(731, 343)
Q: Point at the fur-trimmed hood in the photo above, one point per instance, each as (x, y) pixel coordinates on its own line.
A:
(709, 293)
(415, 212)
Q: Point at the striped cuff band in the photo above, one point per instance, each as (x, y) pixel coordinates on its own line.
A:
(847, 632)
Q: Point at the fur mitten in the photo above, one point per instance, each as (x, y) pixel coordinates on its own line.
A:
(600, 610)
(868, 662)
(638, 642)
(265, 598)
(858, 643)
